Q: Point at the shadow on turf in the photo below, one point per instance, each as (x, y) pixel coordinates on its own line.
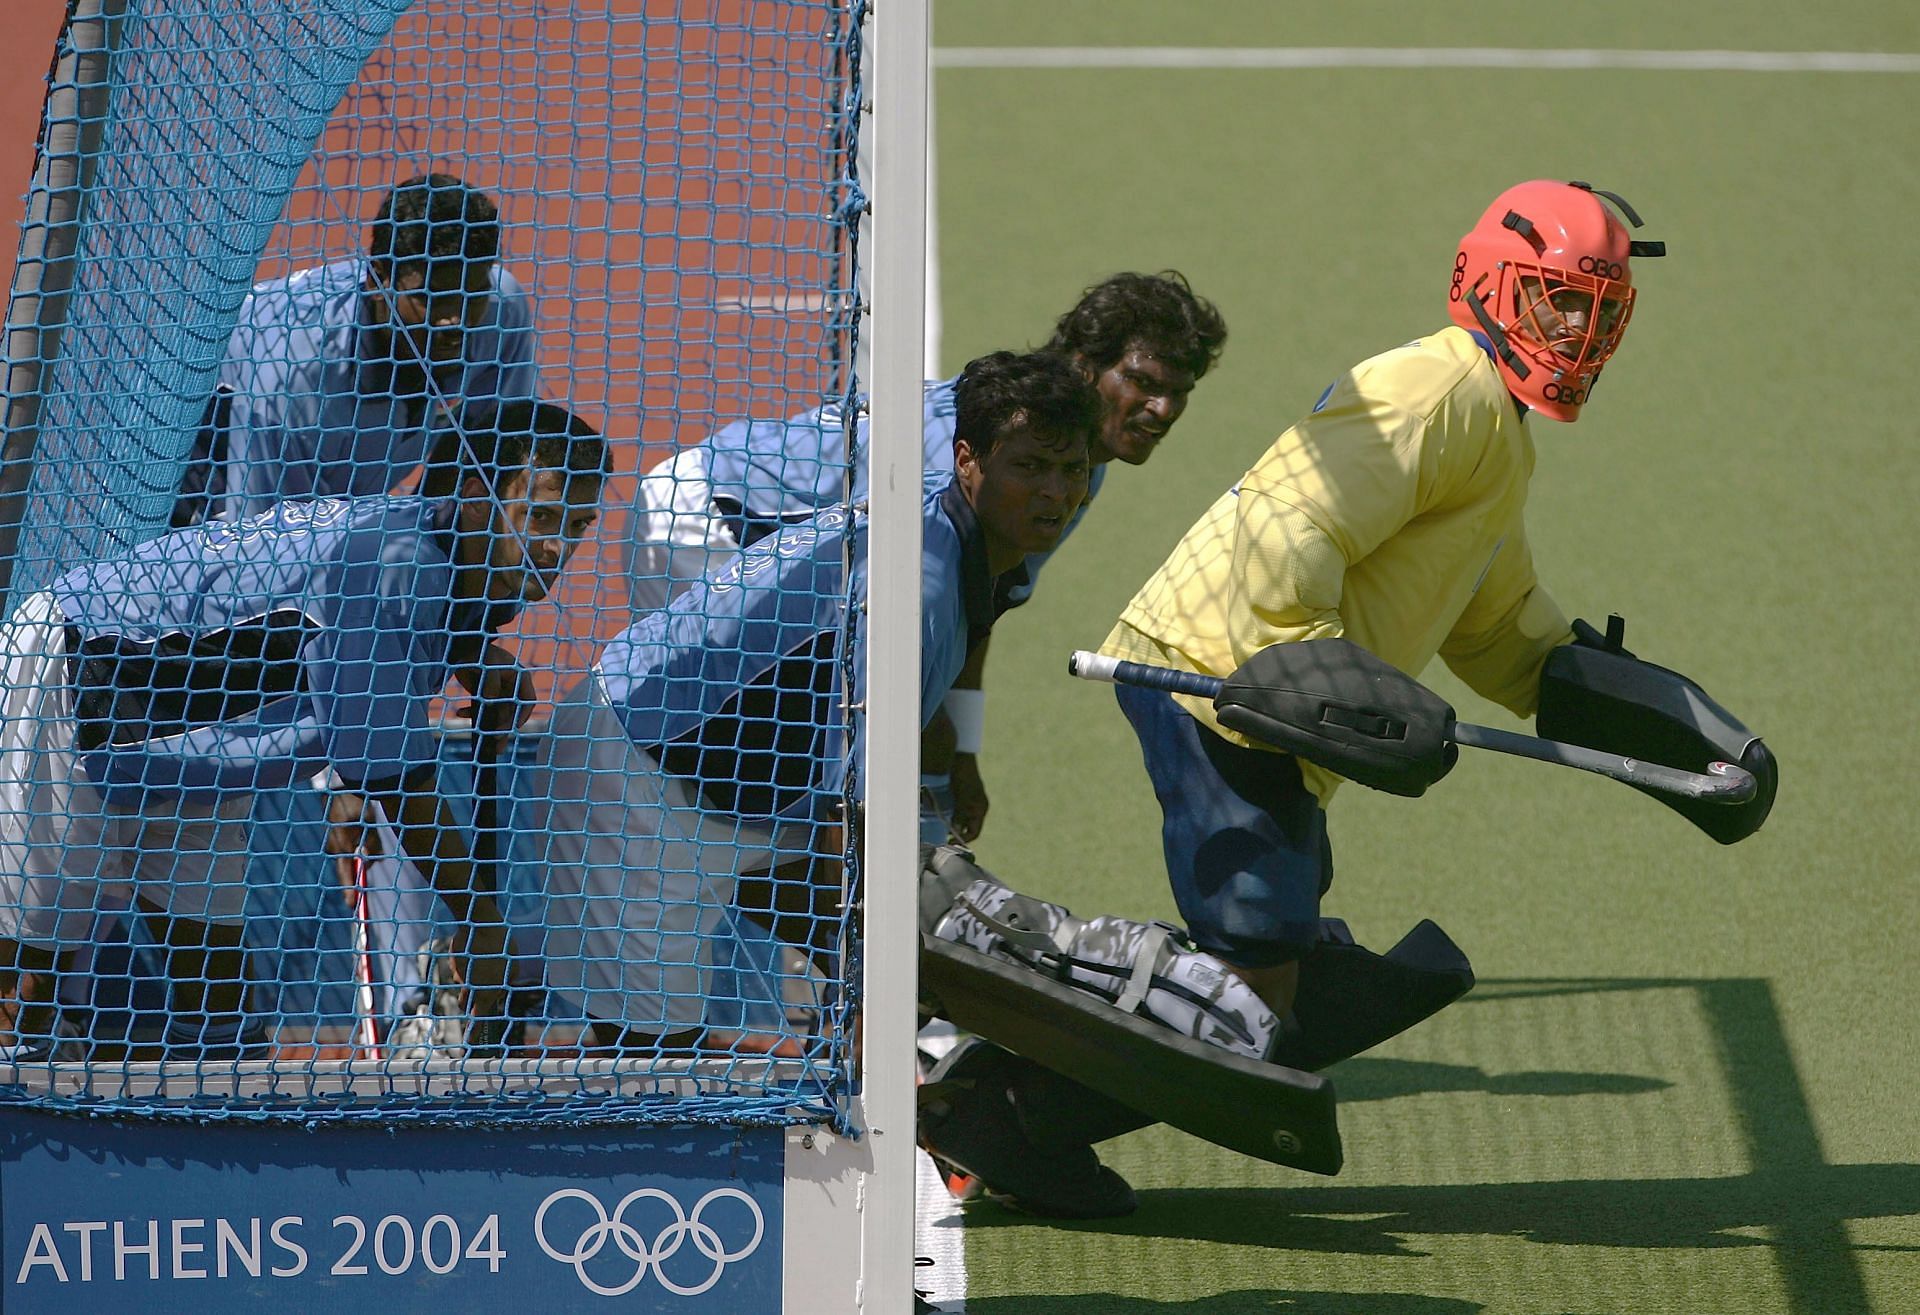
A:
(1261, 1301)
(1800, 1204)
(1383, 1079)
(1638, 1212)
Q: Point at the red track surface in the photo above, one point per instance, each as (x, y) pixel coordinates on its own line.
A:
(656, 200)
(31, 27)
(650, 191)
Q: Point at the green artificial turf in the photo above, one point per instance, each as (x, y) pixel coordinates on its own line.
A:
(1687, 1083)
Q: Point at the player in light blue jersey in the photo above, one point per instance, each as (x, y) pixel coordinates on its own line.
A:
(336, 376)
(150, 696)
(1145, 341)
(707, 750)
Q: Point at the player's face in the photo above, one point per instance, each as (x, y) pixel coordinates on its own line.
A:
(542, 518)
(433, 306)
(1025, 489)
(1143, 395)
(1559, 317)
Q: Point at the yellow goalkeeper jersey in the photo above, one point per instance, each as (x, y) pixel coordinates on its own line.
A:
(1393, 515)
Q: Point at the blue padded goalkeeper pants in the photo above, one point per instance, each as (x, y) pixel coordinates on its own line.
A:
(1246, 841)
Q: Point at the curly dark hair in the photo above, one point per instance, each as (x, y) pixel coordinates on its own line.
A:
(1159, 312)
(1041, 391)
(498, 440)
(434, 217)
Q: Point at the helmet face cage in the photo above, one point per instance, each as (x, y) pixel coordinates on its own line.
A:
(1567, 323)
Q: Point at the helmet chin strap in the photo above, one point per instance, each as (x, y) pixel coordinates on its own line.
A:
(1495, 334)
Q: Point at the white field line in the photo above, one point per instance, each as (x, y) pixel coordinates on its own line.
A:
(937, 1232)
(1308, 57)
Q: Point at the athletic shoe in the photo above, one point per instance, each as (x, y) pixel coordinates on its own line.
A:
(968, 1122)
(38, 1050)
(961, 1185)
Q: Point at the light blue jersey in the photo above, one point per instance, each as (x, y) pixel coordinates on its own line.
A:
(247, 655)
(307, 409)
(775, 471)
(737, 682)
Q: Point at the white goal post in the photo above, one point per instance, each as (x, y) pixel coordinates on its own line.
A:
(847, 1197)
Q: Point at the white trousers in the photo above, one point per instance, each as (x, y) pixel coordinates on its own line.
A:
(638, 878)
(61, 844)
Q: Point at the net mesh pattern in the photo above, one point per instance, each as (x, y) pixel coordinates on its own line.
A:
(337, 786)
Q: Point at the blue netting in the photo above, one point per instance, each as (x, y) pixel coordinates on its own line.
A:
(237, 602)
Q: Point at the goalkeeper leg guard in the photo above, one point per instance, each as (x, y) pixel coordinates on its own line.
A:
(1351, 999)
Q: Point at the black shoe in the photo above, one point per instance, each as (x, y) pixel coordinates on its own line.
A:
(253, 1042)
(498, 1037)
(487, 1038)
(526, 1006)
(967, 1118)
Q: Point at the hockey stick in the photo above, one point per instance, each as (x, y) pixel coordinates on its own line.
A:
(1720, 783)
(367, 1027)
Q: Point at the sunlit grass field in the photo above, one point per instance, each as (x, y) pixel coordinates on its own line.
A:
(1687, 1081)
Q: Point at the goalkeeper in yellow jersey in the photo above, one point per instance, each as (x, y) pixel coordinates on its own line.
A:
(1393, 514)
(1389, 526)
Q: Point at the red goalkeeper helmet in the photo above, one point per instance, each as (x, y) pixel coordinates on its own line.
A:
(1547, 276)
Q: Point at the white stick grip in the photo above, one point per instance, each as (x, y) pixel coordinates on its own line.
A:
(1093, 666)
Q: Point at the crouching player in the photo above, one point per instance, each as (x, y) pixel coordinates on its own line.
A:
(148, 697)
(706, 749)
(1144, 339)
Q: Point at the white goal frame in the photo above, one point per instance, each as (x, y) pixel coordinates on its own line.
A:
(850, 1202)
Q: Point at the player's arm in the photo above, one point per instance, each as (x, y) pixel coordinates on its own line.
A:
(1287, 578)
(378, 680)
(503, 691)
(964, 711)
(519, 375)
(951, 663)
(1502, 639)
(432, 837)
(256, 444)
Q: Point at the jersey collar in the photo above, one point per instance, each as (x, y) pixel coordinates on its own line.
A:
(1486, 345)
(976, 580)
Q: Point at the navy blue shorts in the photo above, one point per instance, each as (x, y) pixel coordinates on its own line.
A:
(1246, 841)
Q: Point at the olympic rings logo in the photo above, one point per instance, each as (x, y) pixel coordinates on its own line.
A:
(627, 1239)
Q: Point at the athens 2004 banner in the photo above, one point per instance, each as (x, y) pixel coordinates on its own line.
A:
(663, 1219)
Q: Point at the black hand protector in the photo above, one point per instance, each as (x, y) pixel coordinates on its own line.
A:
(1336, 705)
(1593, 692)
